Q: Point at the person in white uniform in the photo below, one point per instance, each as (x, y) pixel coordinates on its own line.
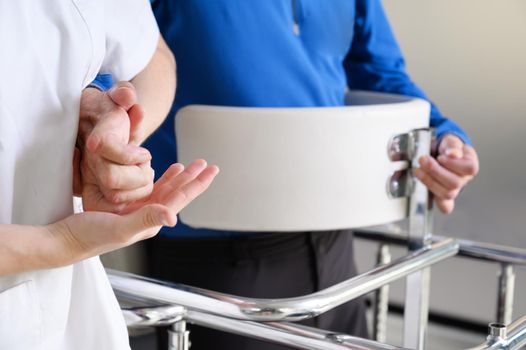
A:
(54, 294)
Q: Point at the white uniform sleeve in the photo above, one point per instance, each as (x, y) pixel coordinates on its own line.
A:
(131, 37)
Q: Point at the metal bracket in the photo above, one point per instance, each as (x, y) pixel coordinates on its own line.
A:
(402, 147)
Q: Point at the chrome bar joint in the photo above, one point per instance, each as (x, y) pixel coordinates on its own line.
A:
(162, 315)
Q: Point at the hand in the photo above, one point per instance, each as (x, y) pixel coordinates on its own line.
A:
(109, 168)
(93, 233)
(446, 175)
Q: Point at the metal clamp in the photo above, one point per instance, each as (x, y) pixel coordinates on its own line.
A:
(401, 147)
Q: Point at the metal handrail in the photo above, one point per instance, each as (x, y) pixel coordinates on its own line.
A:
(477, 250)
(298, 335)
(288, 309)
(153, 316)
(287, 334)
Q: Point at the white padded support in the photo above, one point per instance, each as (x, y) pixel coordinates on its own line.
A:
(298, 169)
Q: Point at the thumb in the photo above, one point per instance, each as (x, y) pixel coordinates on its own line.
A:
(451, 146)
(123, 94)
(112, 128)
(136, 114)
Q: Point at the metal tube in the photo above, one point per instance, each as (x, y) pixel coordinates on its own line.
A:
(506, 286)
(292, 309)
(419, 234)
(178, 336)
(163, 315)
(517, 334)
(381, 299)
(299, 337)
(514, 340)
(469, 249)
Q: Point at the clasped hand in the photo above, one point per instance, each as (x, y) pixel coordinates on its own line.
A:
(446, 175)
(112, 173)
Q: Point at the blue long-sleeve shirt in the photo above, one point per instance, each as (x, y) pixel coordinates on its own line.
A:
(277, 53)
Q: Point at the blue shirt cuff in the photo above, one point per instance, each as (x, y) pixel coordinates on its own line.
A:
(103, 82)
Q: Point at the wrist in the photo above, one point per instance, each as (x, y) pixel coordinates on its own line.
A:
(60, 247)
(26, 248)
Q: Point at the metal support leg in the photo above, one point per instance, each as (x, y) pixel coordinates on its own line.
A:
(381, 299)
(505, 292)
(178, 336)
(420, 224)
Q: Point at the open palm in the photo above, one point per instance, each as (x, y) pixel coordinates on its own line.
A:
(93, 233)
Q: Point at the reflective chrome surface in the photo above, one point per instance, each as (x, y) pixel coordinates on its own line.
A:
(400, 184)
(505, 292)
(467, 248)
(381, 299)
(162, 315)
(416, 306)
(291, 309)
(300, 337)
(178, 336)
(401, 147)
(515, 339)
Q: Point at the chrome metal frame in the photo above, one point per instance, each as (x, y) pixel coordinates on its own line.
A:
(130, 287)
(161, 303)
(200, 305)
(419, 233)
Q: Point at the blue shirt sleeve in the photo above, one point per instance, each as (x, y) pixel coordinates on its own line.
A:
(375, 62)
(103, 82)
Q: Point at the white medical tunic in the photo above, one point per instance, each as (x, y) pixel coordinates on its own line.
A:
(49, 51)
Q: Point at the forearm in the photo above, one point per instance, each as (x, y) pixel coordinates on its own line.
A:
(25, 248)
(155, 86)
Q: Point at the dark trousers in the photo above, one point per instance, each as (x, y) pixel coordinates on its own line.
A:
(270, 265)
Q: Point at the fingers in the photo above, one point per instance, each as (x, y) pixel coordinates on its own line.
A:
(123, 94)
(445, 177)
(112, 176)
(468, 165)
(444, 197)
(446, 206)
(177, 188)
(136, 115)
(451, 145)
(183, 195)
(127, 196)
(152, 216)
(170, 173)
(119, 152)
(173, 191)
(437, 179)
(175, 177)
(94, 200)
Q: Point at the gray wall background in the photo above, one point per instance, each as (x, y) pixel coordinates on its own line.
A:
(470, 57)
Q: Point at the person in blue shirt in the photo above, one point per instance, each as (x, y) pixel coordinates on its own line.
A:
(284, 53)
